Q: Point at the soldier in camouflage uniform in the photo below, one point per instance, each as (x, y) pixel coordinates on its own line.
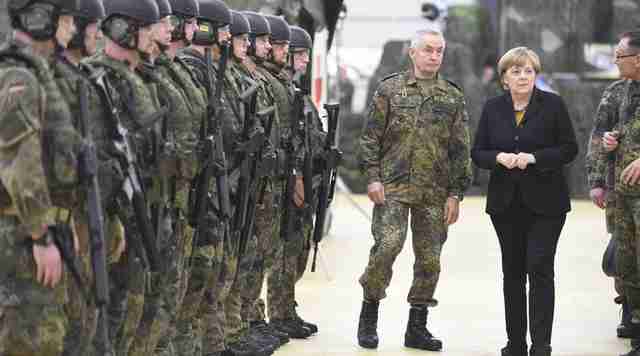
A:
(415, 153)
(280, 296)
(172, 133)
(601, 174)
(38, 153)
(217, 338)
(267, 212)
(236, 324)
(616, 130)
(82, 313)
(177, 81)
(206, 263)
(128, 34)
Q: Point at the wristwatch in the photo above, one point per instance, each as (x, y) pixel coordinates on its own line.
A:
(45, 240)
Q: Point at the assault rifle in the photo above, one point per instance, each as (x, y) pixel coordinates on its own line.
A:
(260, 167)
(329, 161)
(213, 160)
(247, 156)
(89, 175)
(133, 188)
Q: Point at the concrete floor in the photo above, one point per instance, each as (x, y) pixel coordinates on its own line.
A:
(470, 317)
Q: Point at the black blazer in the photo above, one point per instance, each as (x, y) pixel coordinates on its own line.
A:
(547, 133)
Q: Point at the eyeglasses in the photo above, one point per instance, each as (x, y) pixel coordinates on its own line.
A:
(621, 56)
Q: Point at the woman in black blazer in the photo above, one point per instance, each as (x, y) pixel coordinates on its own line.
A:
(525, 138)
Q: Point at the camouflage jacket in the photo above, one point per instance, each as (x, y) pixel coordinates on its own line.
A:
(185, 123)
(38, 144)
(284, 95)
(416, 140)
(628, 125)
(600, 165)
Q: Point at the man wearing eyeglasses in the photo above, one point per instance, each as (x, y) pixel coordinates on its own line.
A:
(615, 146)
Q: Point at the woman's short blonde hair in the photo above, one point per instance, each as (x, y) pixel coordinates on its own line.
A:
(519, 56)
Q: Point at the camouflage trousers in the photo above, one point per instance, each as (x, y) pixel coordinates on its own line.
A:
(389, 229)
(81, 313)
(286, 271)
(627, 233)
(32, 319)
(235, 325)
(214, 317)
(163, 296)
(128, 280)
(268, 243)
(201, 273)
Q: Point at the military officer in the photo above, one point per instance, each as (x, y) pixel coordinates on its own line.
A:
(415, 154)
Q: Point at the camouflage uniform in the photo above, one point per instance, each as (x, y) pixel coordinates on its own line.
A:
(217, 336)
(81, 312)
(136, 105)
(35, 128)
(186, 139)
(206, 266)
(280, 293)
(161, 302)
(600, 165)
(415, 143)
(267, 215)
(619, 109)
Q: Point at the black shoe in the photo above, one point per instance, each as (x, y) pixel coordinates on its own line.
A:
(417, 335)
(368, 325)
(624, 329)
(312, 327)
(512, 350)
(291, 327)
(261, 327)
(544, 350)
(244, 347)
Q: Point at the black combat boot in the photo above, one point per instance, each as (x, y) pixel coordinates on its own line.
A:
(263, 341)
(544, 350)
(243, 347)
(261, 327)
(624, 329)
(367, 328)
(417, 335)
(311, 326)
(291, 327)
(513, 350)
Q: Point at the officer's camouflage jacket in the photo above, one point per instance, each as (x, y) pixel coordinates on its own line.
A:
(600, 165)
(416, 141)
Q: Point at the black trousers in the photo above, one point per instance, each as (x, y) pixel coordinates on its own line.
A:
(528, 242)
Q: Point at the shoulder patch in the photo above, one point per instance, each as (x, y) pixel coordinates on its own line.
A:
(21, 105)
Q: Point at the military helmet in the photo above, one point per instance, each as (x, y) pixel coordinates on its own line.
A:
(300, 39)
(124, 19)
(239, 25)
(39, 18)
(213, 15)
(90, 11)
(215, 11)
(186, 8)
(66, 5)
(259, 24)
(145, 12)
(164, 8)
(280, 31)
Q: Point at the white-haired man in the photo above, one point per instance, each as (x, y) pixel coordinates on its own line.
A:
(415, 154)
